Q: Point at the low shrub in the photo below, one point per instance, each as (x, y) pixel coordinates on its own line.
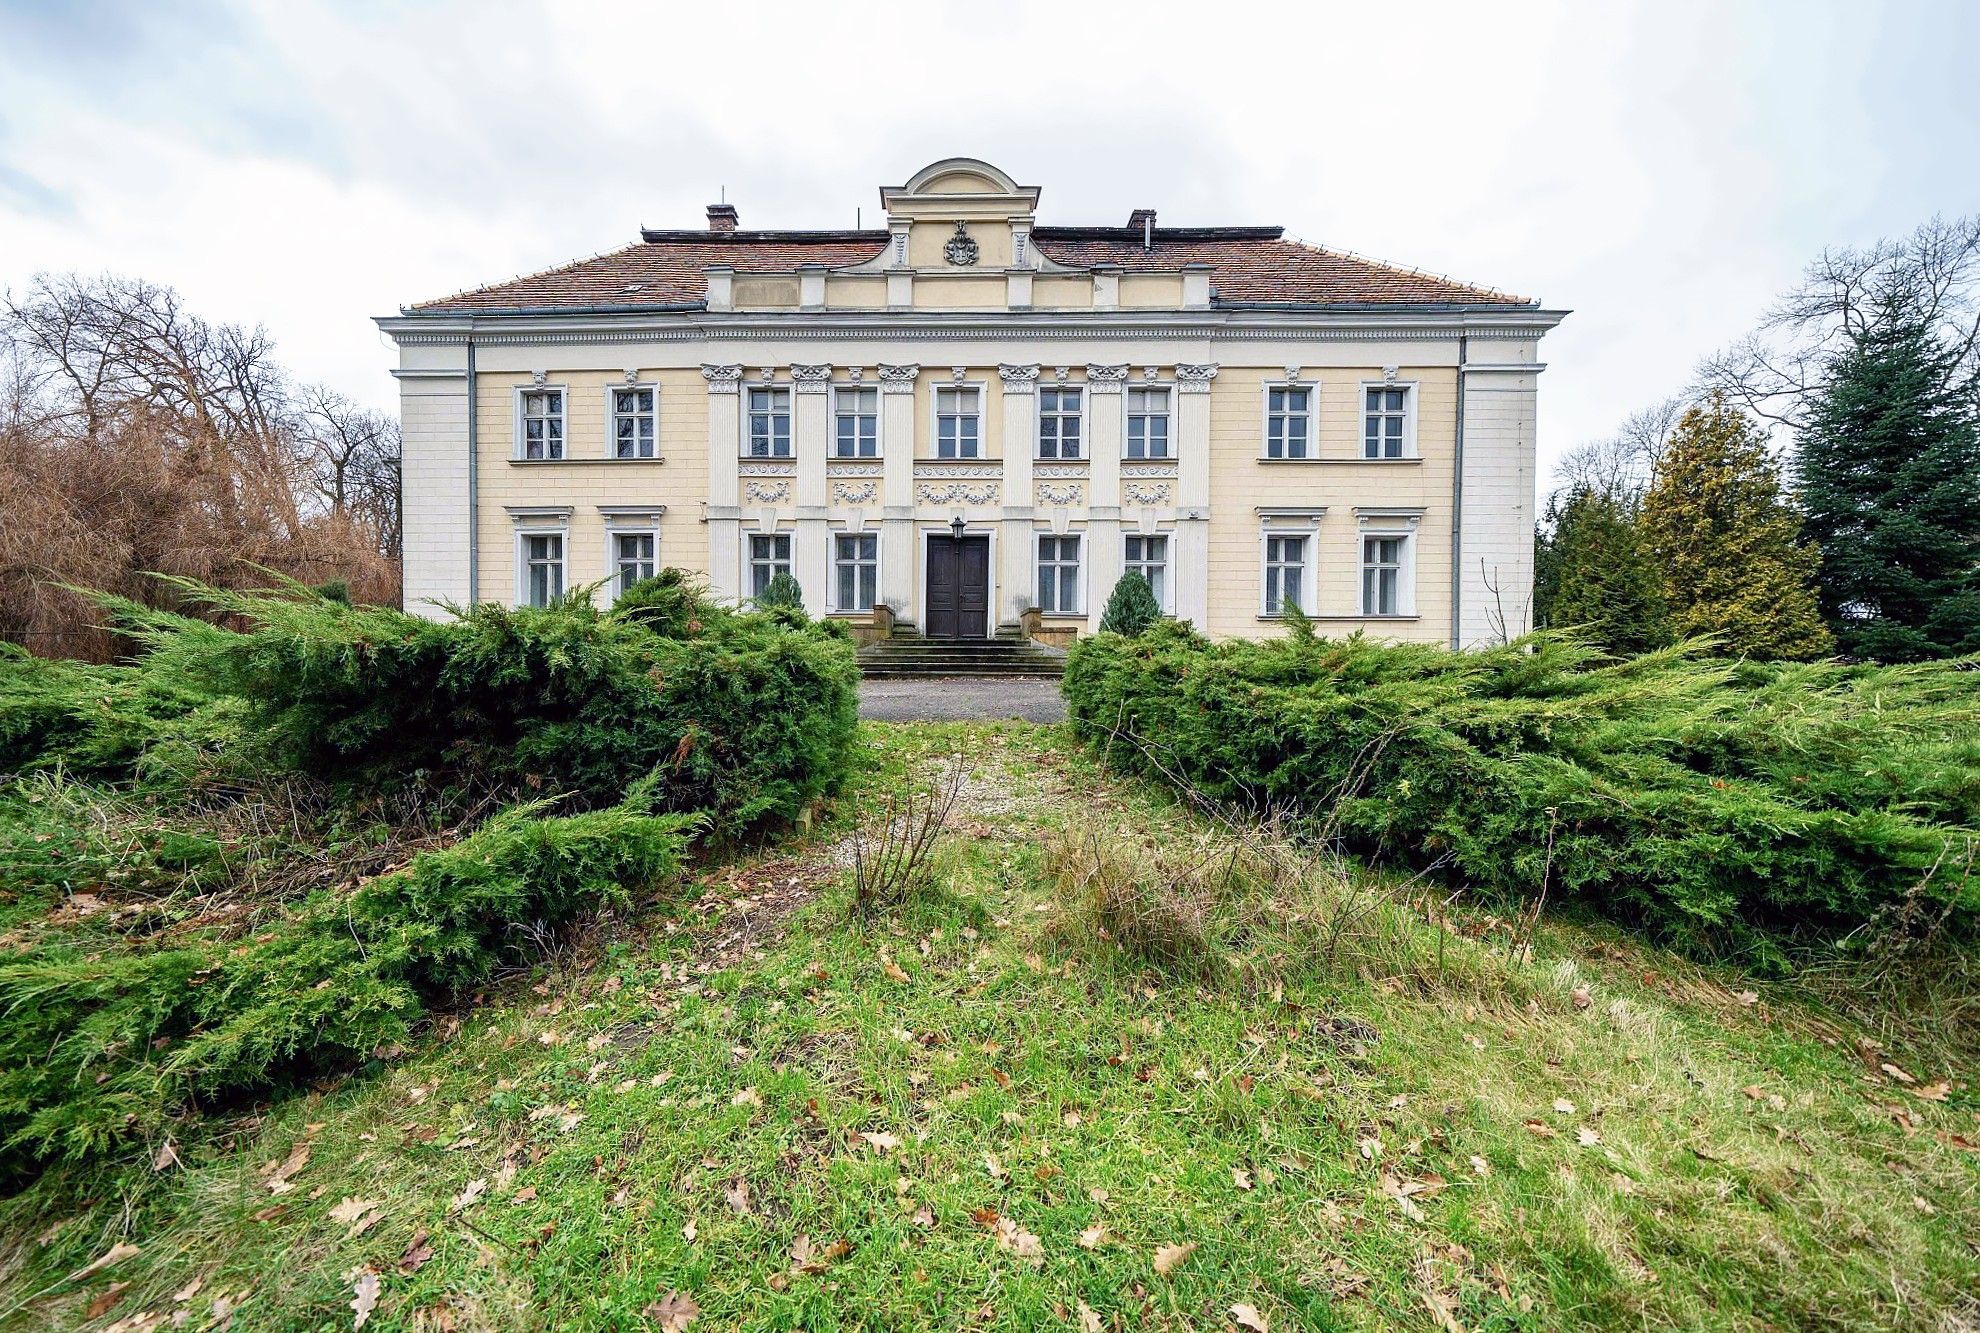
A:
(1131, 607)
(105, 1046)
(1721, 801)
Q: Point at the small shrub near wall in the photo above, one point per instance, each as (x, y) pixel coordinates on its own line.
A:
(1722, 801)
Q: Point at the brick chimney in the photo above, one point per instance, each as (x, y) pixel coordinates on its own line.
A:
(722, 218)
(1143, 221)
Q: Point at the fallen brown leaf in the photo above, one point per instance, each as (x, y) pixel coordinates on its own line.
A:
(1251, 1317)
(673, 1312)
(1169, 1257)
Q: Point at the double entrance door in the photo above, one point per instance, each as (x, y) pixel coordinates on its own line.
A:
(957, 596)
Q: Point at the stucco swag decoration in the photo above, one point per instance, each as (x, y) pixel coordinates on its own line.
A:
(961, 249)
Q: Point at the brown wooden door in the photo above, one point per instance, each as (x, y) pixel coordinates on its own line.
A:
(958, 593)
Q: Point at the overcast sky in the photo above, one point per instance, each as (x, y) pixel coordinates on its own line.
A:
(1662, 169)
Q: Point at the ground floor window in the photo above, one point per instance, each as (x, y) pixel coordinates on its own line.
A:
(769, 556)
(1285, 574)
(856, 564)
(542, 568)
(1382, 576)
(632, 559)
(1058, 575)
(1149, 557)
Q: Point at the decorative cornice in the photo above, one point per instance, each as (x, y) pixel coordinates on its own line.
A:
(898, 379)
(747, 469)
(947, 471)
(1059, 470)
(723, 379)
(847, 469)
(1148, 471)
(957, 492)
(1018, 379)
(1106, 379)
(812, 379)
(1195, 379)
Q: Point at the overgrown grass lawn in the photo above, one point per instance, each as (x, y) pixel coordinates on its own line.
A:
(977, 1114)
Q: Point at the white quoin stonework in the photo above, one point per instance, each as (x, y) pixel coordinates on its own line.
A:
(1196, 402)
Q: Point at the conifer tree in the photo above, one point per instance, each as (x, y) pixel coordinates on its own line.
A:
(781, 590)
(1889, 473)
(1131, 608)
(1726, 543)
(1595, 575)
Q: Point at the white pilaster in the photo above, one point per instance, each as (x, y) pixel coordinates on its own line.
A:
(1495, 542)
(811, 440)
(1190, 560)
(433, 415)
(1106, 428)
(724, 515)
(897, 554)
(1014, 543)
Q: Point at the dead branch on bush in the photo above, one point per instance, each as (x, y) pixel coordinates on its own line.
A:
(891, 861)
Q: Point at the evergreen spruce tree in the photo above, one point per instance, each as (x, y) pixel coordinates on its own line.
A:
(1595, 575)
(1726, 543)
(1889, 475)
(1131, 608)
(781, 590)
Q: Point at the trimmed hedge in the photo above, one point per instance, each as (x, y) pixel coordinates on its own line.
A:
(1720, 801)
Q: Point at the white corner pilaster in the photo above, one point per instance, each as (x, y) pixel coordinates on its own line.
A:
(724, 517)
(1191, 556)
(811, 440)
(1014, 545)
(1106, 430)
(897, 554)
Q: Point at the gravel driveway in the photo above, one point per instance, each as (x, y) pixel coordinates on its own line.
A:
(962, 699)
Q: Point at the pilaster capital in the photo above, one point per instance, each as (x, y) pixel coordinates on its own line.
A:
(1106, 379)
(898, 379)
(723, 379)
(1195, 379)
(812, 379)
(1018, 379)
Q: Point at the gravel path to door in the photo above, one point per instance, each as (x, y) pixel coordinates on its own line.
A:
(962, 699)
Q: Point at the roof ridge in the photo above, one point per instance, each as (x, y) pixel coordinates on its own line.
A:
(671, 236)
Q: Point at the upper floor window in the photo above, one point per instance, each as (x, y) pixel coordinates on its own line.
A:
(958, 422)
(632, 559)
(1058, 423)
(1147, 423)
(543, 423)
(769, 556)
(1384, 589)
(856, 423)
(856, 558)
(1058, 575)
(1285, 573)
(542, 572)
(634, 421)
(769, 423)
(1385, 421)
(1149, 557)
(1288, 421)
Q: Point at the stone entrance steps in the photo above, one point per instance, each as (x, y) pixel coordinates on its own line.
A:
(909, 654)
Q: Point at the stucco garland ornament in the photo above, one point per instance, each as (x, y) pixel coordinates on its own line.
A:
(961, 249)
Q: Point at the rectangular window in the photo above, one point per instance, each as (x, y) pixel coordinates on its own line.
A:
(1288, 421)
(1058, 575)
(543, 423)
(1147, 423)
(632, 559)
(543, 568)
(769, 556)
(633, 421)
(1385, 418)
(1381, 576)
(1149, 557)
(958, 423)
(856, 423)
(769, 423)
(856, 556)
(1285, 574)
(1058, 423)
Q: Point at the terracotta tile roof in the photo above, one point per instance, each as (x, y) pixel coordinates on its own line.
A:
(1248, 265)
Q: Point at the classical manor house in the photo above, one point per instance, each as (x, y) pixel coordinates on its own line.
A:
(971, 414)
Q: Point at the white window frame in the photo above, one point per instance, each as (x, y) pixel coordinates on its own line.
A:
(524, 392)
(1080, 567)
(1168, 415)
(613, 532)
(879, 420)
(1165, 596)
(1409, 388)
(833, 593)
(750, 562)
(935, 414)
(612, 415)
(524, 533)
(1304, 523)
(790, 422)
(1312, 414)
(1060, 416)
(1375, 527)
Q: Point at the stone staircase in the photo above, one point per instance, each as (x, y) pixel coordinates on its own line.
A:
(908, 654)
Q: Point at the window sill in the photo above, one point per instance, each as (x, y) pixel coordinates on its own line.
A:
(1338, 619)
(581, 462)
(1377, 462)
(766, 458)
